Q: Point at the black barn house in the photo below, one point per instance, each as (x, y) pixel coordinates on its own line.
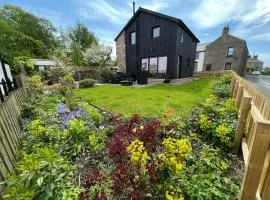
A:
(161, 45)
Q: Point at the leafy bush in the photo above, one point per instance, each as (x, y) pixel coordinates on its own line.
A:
(54, 74)
(86, 83)
(206, 179)
(223, 87)
(43, 175)
(33, 85)
(105, 74)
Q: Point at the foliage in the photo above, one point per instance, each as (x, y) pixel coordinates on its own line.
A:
(43, 175)
(206, 180)
(81, 39)
(86, 83)
(105, 74)
(97, 54)
(23, 34)
(138, 153)
(33, 85)
(174, 153)
(266, 71)
(250, 69)
(93, 113)
(67, 79)
(23, 62)
(223, 87)
(54, 75)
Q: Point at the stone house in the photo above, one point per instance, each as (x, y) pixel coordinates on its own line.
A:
(253, 61)
(226, 53)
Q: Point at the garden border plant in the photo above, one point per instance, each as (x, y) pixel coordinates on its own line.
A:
(72, 150)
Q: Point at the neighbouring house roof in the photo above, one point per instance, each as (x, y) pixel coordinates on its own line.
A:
(178, 21)
(44, 62)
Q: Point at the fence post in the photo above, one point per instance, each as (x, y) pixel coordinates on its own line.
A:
(257, 152)
(239, 95)
(2, 98)
(235, 89)
(266, 192)
(244, 110)
(5, 87)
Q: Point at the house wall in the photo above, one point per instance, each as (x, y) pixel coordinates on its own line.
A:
(168, 44)
(121, 52)
(201, 48)
(186, 49)
(216, 54)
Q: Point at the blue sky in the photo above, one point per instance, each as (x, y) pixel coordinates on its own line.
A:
(248, 19)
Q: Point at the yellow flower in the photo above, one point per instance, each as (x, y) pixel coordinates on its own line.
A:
(141, 127)
(174, 153)
(138, 153)
(134, 130)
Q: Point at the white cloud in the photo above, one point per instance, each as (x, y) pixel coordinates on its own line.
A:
(155, 5)
(102, 8)
(261, 37)
(210, 13)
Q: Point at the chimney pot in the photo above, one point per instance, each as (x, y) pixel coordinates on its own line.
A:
(226, 30)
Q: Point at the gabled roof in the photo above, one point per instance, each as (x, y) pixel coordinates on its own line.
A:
(178, 21)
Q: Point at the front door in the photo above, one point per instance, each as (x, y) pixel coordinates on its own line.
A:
(179, 66)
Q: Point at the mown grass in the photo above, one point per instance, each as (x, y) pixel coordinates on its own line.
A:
(152, 101)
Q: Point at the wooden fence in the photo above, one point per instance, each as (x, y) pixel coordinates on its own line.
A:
(253, 135)
(10, 110)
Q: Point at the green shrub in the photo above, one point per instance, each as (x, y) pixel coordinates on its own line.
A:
(105, 74)
(92, 112)
(43, 174)
(54, 75)
(86, 83)
(33, 85)
(206, 178)
(223, 87)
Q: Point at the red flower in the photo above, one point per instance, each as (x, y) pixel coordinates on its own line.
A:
(94, 177)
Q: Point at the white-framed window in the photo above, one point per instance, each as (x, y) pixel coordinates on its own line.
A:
(156, 32)
(132, 38)
(230, 51)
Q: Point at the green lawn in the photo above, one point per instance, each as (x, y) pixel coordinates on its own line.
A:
(148, 101)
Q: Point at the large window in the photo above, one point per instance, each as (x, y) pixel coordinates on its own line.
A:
(145, 64)
(156, 66)
(155, 32)
(153, 64)
(132, 38)
(230, 51)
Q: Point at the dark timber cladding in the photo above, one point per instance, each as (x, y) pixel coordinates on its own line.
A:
(175, 42)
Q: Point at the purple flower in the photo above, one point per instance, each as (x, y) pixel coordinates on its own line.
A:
(62, 108)
(65, 117)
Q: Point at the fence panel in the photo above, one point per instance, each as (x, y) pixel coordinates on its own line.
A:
(9, 131)
(252, 134)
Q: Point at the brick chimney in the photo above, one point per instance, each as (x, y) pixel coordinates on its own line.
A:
(226, 30)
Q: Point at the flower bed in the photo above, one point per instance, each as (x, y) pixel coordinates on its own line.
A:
(74, 151)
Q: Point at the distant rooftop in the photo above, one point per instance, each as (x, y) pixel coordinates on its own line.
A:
(43, 62)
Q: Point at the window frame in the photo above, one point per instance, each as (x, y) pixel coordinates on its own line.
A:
(228, 63)
(152, 32)
(130, 37)
(228, 50)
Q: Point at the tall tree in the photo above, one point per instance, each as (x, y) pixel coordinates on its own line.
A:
(81, 39)
(23, 34)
